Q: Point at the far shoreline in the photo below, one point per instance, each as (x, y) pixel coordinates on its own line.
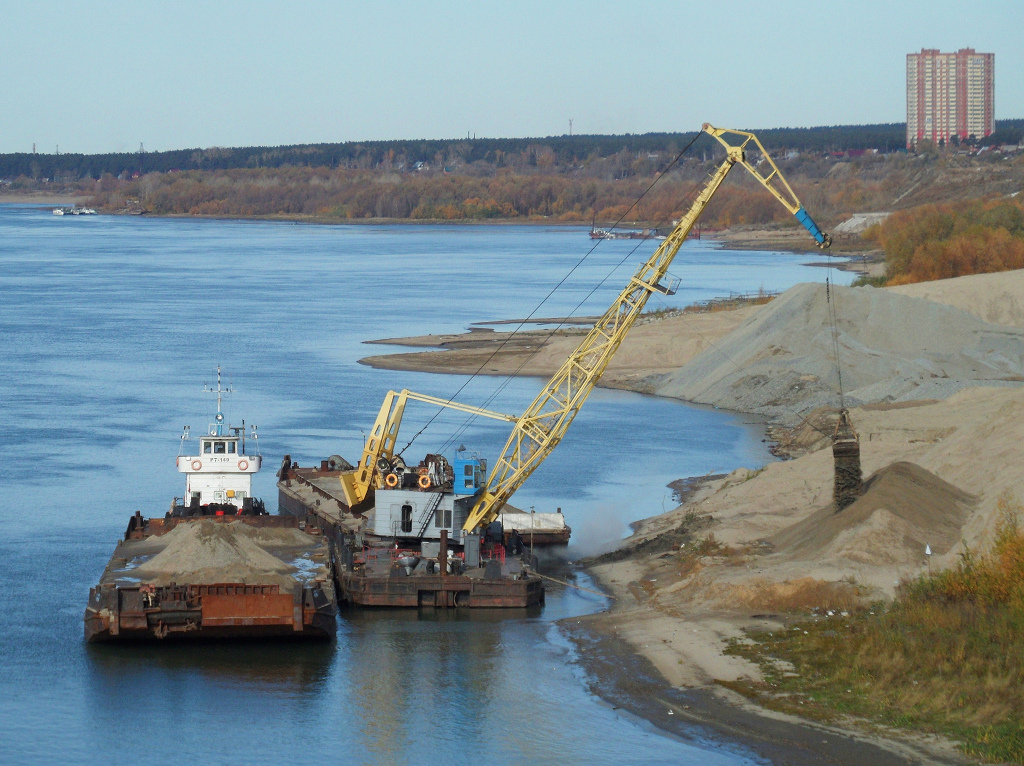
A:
(774, 238)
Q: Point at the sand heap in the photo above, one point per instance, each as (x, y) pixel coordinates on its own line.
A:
(780, 362)
(996, 298)
(207, 552)
(903, 509)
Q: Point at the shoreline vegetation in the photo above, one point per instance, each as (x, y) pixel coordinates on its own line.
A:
(953, 211)
(943, 655)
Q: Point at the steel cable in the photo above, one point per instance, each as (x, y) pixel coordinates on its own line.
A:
(530, 316)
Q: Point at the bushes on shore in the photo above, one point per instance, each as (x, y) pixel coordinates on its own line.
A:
(951, 240)
(946, 655)
(346, 194)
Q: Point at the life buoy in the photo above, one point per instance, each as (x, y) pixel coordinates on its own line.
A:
(423, 470)
(424, 482)
(196, 465)
(243, 464)
(391, 480)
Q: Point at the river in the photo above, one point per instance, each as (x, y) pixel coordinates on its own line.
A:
(112, 325)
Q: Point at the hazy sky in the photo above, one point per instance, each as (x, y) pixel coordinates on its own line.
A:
(103, 76)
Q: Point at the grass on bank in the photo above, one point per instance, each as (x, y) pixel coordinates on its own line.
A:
(947, 655)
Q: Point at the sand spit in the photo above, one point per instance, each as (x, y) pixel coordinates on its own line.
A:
(207, 552)
(780, 362)
(933, 373)
(655, 346)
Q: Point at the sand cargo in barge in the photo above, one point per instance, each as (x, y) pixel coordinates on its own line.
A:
(216, 565)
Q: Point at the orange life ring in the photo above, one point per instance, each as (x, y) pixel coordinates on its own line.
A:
(243, 465)
(196, 465)
(423, 470)
(424, 482)
(391, 480)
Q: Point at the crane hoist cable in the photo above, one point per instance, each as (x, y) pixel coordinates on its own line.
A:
(833, 311)
(562, 322)
(571, 271)
(544, 423)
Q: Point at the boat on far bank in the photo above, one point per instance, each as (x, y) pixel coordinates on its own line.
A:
(74, 210)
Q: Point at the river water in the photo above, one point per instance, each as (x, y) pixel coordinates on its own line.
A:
(112, 325)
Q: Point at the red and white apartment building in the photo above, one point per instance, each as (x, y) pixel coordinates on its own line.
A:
(949, 94)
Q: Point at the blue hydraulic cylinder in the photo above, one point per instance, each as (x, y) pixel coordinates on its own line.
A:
(820, 237)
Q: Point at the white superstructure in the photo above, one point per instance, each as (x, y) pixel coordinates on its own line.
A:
(221, 470)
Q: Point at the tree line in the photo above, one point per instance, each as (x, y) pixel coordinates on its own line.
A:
(951, 240)
(557, 151)
(603, 191)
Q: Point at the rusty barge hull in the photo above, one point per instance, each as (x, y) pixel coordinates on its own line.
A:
(315, 495)
(228, 610)
(124, 607)
(443, 592)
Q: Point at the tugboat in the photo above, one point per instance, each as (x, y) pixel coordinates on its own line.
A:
(218, 480)
(216, 565)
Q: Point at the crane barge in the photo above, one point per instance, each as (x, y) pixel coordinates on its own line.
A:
(386, 500)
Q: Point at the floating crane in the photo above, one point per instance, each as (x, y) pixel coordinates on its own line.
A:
(541, 427)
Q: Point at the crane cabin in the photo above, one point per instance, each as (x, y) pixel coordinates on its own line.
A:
(419, 502)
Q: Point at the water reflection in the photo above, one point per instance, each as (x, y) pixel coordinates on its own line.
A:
(290, 668)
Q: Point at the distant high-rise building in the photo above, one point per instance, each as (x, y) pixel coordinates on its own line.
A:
(949, 94)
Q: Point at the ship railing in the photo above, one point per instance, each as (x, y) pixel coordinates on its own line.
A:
(495, 551)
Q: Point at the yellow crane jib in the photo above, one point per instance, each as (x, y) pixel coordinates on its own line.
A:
(379, 449)
(539, 430)
(773, 182)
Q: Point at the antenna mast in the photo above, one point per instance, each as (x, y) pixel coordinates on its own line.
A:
(217, 429)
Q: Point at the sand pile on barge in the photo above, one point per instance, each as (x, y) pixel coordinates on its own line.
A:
(207, 552)
(781, 362)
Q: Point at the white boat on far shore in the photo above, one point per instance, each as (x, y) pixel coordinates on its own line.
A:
(74, 210)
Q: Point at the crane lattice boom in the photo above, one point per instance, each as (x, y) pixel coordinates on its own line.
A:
(539, 430)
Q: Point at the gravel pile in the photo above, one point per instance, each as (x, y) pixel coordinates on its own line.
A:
(780, 362)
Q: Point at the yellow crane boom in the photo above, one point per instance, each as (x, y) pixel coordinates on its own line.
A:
(539, 430)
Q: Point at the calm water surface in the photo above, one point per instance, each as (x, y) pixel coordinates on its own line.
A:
(111, 326)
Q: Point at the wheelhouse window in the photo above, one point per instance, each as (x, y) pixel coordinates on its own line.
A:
(207, 447)
(231, 448)
(219, 448)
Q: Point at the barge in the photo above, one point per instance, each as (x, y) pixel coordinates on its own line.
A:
(216, 565)
(405, 546)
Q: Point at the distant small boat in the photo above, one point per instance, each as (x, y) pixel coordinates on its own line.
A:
(625, 234)
(74, 211)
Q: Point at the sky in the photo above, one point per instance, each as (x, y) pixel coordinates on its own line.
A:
(105, 76)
